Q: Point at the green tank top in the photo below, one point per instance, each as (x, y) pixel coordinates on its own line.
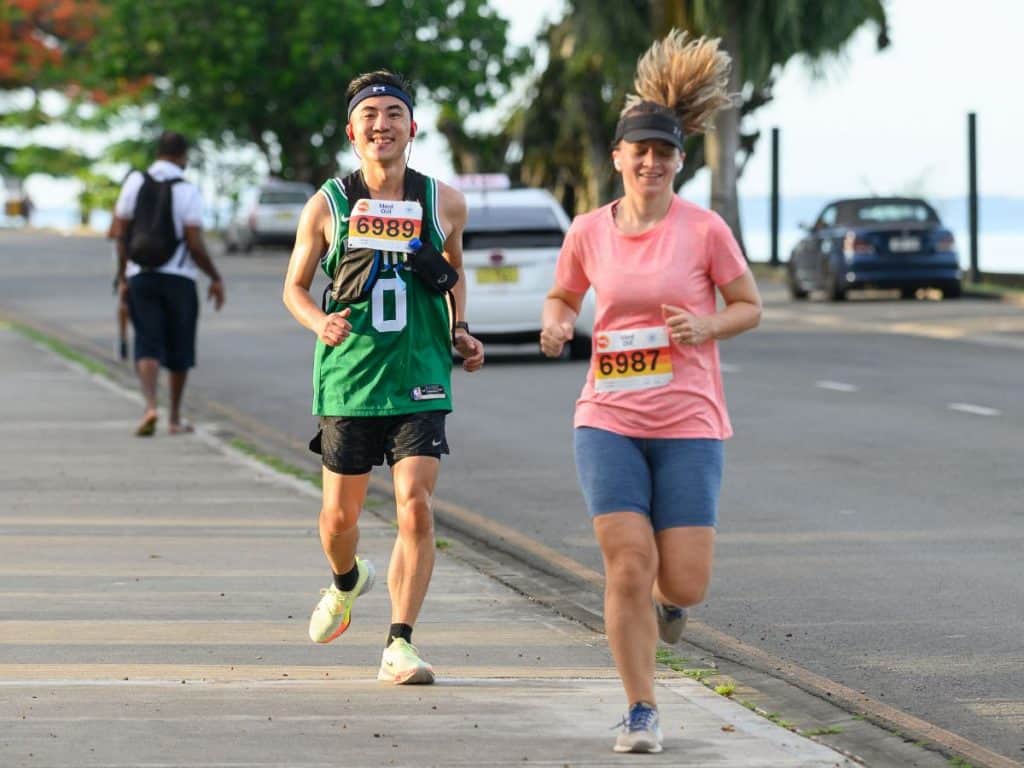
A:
(397, 359)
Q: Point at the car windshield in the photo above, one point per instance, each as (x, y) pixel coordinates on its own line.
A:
(283, 197)
(512, 227)
(891, 212)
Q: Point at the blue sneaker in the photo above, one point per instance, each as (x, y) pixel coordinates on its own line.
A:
(671, 621)
(640, 730)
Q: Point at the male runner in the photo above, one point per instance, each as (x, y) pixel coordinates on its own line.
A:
(382, 366)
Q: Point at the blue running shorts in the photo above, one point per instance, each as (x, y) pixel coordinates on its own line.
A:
(674, 481)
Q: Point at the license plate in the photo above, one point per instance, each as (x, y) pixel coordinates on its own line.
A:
(492, 275)
(904, 244)
(284, 216)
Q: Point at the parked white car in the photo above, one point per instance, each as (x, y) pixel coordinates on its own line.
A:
(268, 215)
(510, 247)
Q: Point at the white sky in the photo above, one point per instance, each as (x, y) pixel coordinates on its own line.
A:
(884, 122)
(894, 121)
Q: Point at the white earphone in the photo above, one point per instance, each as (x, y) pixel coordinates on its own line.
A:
(679, 166)
(618, 166)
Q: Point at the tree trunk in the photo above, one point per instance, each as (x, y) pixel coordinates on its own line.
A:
(723, 144)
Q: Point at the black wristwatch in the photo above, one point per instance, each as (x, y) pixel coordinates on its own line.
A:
(461, 324)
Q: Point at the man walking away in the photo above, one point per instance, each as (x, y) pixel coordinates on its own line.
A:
(160, 253)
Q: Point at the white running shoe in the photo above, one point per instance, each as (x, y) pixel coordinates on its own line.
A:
(671, 622)
(640, 730)
(401, 664)
(333, 613)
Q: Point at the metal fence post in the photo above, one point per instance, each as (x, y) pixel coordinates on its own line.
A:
(972, 194)
(775, 198)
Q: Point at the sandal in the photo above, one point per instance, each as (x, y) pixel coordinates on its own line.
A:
(147, 426)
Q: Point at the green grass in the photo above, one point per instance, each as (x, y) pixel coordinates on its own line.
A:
(726, 689)
(987, 286)
(825, 730)
(61, 349)
(765, 271)
(442, 544)
(275, 463)
(959, 762)
(776, 718)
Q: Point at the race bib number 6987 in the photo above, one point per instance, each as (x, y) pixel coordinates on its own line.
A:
(633, 359)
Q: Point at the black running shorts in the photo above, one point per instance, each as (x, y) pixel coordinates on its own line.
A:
(353, 445)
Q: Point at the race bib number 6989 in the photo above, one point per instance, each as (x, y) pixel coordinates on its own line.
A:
(386, 225)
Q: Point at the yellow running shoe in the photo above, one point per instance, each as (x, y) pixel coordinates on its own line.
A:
(401, 664)
(333, 613)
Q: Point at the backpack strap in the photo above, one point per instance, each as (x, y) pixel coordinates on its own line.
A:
(355, 187)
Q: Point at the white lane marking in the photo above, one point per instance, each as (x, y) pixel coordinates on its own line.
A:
(836, 386)
(977, 410)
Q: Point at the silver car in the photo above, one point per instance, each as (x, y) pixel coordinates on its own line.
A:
(268, 215)
(510, 248)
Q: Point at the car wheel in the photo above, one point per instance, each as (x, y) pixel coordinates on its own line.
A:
(908, 293)
(580, 348)
(796, 293)
(952, 291)
(836, 291)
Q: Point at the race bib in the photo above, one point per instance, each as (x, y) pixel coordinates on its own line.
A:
(635, 359)
(384, 225)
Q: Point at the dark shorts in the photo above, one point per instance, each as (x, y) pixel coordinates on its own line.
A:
(164, 311)
(353, 445)
(675, 482)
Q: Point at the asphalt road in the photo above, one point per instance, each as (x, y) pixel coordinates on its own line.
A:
(871, 519)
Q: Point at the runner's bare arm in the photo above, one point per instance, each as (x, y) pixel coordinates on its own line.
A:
(311, 242)
(197, 248)
(742, 312)
(561, 307)
(453, 218)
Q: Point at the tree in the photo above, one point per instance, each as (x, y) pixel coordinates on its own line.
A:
(761, 36)
(37, 39)
(36, 35)
(273, 73)
(567, 129)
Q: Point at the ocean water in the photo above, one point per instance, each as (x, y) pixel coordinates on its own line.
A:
(997, 252)
(1000, 238)
(1000, 228)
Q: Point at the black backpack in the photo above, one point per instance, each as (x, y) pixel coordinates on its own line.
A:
(150, 238)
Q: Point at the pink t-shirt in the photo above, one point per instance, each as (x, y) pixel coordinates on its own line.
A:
(640, 383)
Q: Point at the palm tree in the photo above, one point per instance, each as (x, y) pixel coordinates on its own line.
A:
(565, 131)
(761, 36)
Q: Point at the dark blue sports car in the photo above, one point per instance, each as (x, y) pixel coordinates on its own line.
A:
(875, 242)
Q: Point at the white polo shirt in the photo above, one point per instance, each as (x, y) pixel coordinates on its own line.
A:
(186, 205)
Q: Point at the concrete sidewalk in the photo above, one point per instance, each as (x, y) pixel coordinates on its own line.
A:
(154, 596)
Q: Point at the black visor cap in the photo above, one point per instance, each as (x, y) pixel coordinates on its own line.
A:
(650, 126)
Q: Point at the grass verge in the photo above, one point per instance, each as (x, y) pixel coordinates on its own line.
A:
(61, 349)
(275, 463)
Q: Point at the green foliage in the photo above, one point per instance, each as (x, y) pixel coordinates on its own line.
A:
(274, 73)
(99, 193)
(23, 161)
